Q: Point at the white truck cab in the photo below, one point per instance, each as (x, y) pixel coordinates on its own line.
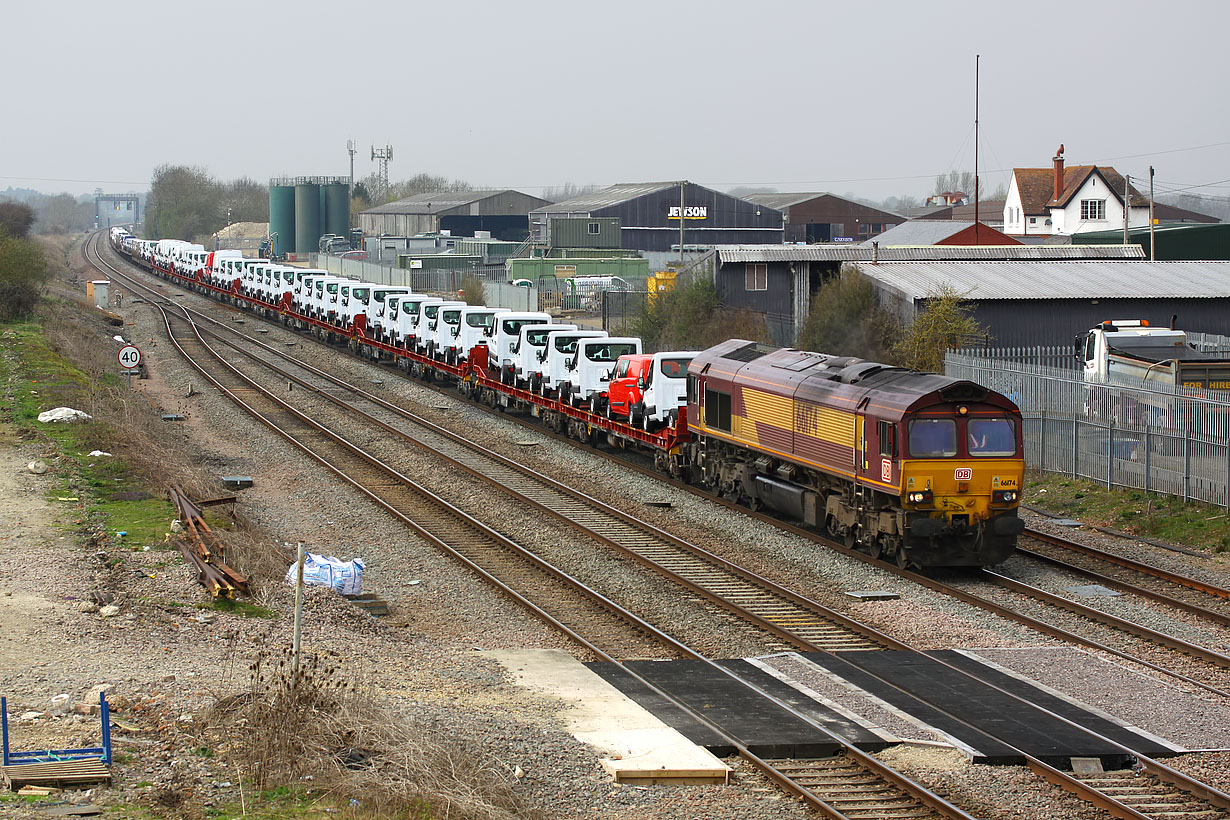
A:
(507, 334)
(556, 359)
(592, 367)
(377, 310)
(530, 343)
(477, 327)
(409, 315)
(1129, 352)
(434, 325)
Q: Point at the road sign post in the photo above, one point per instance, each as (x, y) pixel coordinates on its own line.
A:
(129, 358)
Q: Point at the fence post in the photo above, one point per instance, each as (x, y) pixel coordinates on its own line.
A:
(1149, 455)
(1110, 454)
(1187, 463)
(1226, 445)
(1076, 436)
(1042, 440)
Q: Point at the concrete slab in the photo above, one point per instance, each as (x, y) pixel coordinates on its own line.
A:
(639, 748)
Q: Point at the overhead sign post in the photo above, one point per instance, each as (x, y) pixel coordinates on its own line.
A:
(129, 358)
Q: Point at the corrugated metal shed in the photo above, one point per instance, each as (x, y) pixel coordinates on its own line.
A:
(1075, 279)
(614, 195)
(920, 232)
(1186, 241)
(857, 253)
(784, 201)
(436, 202)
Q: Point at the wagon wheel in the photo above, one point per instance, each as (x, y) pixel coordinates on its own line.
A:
(876, 548)
(851, 537)
(903, 557)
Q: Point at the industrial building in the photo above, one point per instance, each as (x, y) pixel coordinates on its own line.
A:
(503, 214)
(1029, 303)
(659, 216)
(821, 217)
(953, 232)
(779, 281)
(1187, 242)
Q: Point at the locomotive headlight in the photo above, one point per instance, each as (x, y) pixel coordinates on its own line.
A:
(1005, 496)
(919, 497)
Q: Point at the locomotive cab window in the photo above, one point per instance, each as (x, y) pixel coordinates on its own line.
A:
(991, 437)
(717, 410)
(888, 439)
(933, 438)
(693, 393)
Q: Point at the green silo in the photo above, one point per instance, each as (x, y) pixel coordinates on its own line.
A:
(337, 208)
(282, 217)
(307, 217)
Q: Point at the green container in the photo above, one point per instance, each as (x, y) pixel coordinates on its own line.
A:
(282, 217)
(442, 261)
(337, 208)
(307, 217)
(584, 232)
(635, 271)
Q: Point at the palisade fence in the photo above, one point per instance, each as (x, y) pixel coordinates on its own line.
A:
(1175, 441)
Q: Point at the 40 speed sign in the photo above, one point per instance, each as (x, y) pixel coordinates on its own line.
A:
(130, 357)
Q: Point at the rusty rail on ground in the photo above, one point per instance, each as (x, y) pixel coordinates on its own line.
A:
(204, 550)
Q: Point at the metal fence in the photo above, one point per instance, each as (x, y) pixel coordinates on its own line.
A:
(1175, 442)
(622, 311)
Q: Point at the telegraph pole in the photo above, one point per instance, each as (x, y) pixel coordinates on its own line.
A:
(682, 187)
(977, 66)
(1152, 248)
(1127, 186)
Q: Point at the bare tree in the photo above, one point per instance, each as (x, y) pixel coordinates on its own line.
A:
(568, 190)
(954, 180)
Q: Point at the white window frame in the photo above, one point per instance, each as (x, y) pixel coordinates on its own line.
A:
(755, 276)
(1093, 210)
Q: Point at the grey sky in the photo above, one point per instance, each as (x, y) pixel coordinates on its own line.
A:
(870, 97)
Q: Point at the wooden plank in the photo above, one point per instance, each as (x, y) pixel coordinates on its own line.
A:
(57, 772)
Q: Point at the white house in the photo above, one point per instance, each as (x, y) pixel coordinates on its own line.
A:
(1058, 200)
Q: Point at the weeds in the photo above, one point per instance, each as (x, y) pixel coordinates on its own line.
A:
(1164, 517)
(318, 721)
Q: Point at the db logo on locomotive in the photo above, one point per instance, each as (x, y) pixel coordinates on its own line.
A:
(962, 474)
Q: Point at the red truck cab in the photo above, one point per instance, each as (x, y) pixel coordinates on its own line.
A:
(627, 388)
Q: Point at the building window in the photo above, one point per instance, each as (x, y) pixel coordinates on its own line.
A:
(1033, 220)
(595, 228)
(756, 277)
(1093, 209)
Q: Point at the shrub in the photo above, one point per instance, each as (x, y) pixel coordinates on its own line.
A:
(23, 272)
(472, 290)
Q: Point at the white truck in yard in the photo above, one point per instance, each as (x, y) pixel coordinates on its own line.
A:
(1129, 352)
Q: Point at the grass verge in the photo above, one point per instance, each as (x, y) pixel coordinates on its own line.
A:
(1152, 515)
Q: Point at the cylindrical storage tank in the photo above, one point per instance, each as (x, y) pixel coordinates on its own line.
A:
(337, 208)
(282, 217)
(307, 217)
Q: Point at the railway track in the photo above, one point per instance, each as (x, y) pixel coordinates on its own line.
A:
(595, 622)
(1197, 596)
(798, 777)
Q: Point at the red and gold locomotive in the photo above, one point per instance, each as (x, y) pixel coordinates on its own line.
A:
(919, 467)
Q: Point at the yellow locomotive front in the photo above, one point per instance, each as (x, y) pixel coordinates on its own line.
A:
(961, 475)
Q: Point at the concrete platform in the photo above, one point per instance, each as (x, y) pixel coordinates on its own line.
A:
(639, 748)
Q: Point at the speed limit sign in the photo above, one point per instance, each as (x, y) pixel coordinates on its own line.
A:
(130, 357)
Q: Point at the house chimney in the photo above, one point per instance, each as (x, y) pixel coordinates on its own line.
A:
(1058, 172)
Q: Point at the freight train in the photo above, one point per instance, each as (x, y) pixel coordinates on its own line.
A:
(917, 468)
